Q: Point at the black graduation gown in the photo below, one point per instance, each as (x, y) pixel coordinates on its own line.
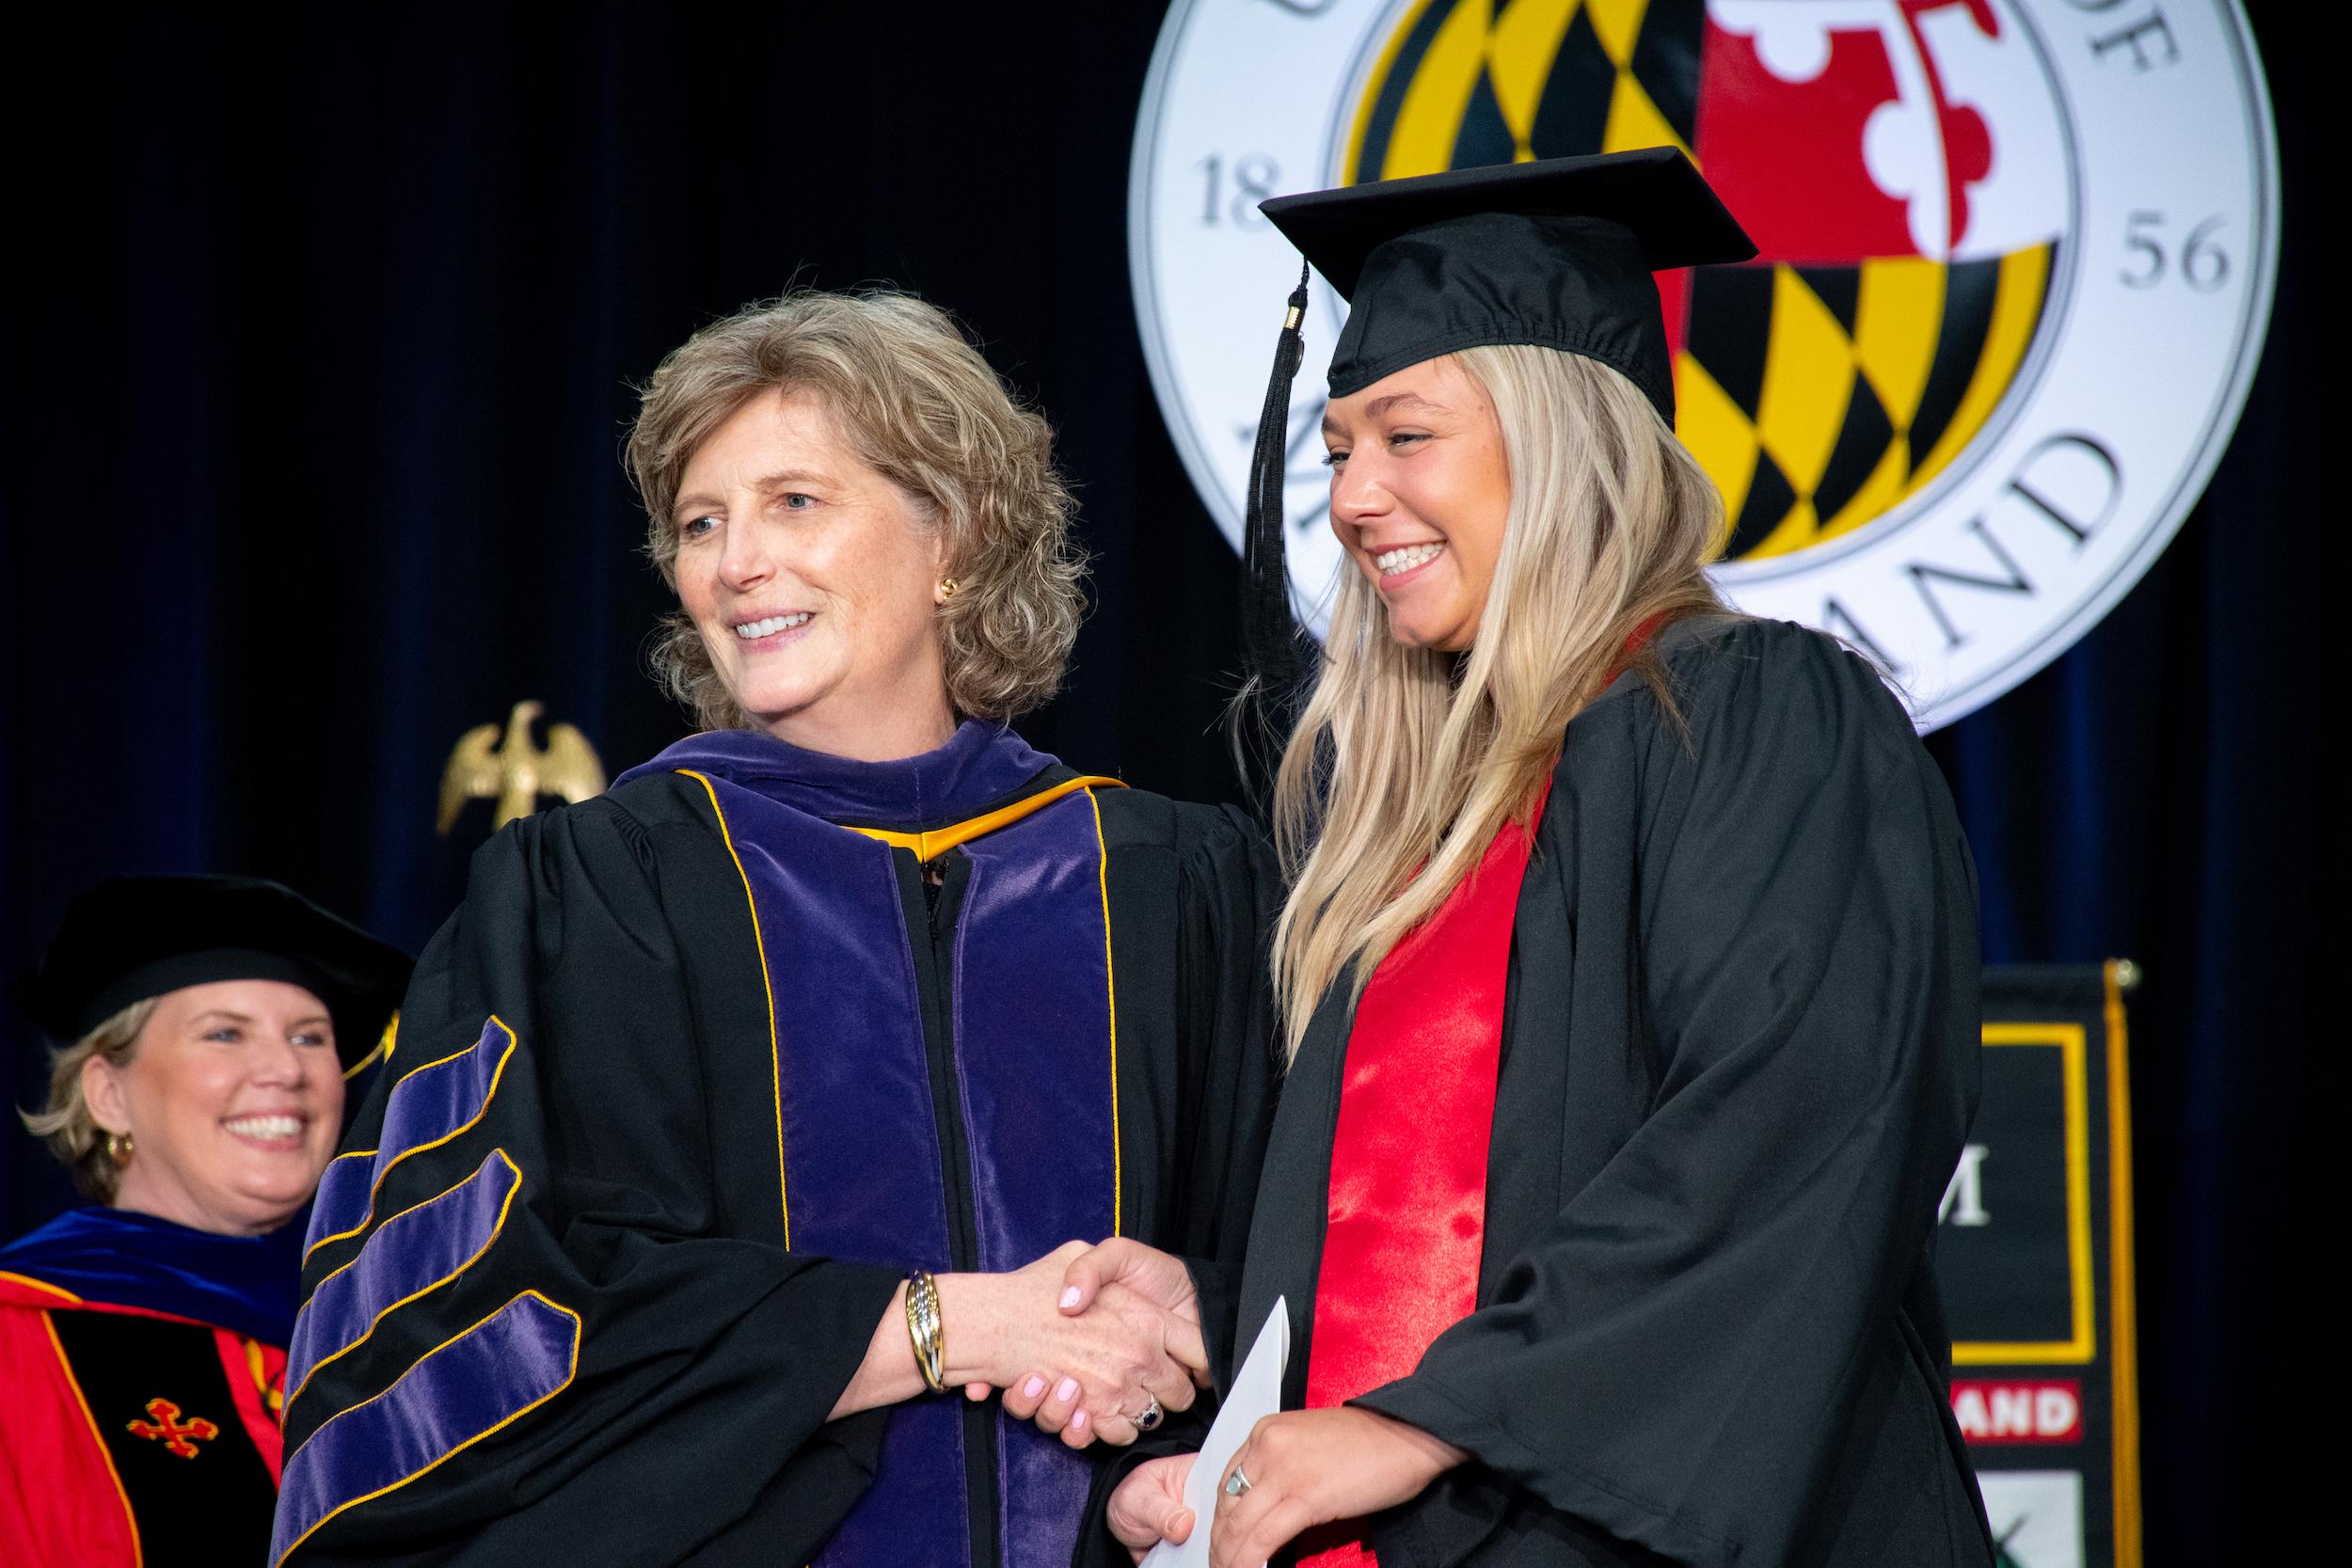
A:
(612, 939)
(1740, 1057)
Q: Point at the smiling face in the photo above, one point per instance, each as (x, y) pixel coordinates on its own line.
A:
(812, 580)
(1419, 490)
(234, 1097)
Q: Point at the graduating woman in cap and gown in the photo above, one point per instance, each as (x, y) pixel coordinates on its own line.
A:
(746, 1117)
(211, 1021)
(1630, 969)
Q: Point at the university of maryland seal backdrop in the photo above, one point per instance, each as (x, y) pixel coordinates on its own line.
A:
(2015, 267)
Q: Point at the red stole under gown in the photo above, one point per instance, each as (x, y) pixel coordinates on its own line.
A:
(1407, 1214)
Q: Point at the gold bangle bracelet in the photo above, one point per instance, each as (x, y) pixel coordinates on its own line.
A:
(922, 1328)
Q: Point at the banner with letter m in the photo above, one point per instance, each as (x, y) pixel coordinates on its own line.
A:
(2034, 1252)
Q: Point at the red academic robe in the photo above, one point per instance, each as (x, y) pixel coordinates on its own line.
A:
(131, 1436)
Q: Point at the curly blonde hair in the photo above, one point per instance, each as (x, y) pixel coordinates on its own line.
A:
(917, 402)
(74, 1136)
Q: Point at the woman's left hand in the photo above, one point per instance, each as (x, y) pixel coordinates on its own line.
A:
(1309, 1467)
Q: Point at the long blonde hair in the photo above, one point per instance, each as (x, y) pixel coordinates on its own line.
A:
(1404, 766)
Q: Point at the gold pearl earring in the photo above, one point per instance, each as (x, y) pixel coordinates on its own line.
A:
(119, 1148)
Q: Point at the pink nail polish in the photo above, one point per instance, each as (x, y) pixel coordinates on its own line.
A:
(1032, 1388)
(1069, 1297)
(1066, 1389)
(1078, 1422)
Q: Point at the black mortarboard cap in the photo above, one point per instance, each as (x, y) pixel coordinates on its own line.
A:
(131, 938)
(1557, 254)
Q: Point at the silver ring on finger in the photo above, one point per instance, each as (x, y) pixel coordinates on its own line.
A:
(1236, 1484)
(1153, 1415)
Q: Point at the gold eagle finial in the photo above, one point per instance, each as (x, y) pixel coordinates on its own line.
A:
(515, 772)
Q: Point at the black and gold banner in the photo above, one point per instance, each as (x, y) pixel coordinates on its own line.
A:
(2034, 1251)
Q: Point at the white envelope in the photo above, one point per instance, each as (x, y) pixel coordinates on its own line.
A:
(1256, 1392)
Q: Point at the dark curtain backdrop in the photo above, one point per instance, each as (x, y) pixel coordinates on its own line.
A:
(318, 351)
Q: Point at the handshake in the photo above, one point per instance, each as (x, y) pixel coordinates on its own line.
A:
(1097, 1343)
(1094, 1343)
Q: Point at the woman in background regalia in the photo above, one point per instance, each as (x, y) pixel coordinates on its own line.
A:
(746, 1110)
(206, 1027)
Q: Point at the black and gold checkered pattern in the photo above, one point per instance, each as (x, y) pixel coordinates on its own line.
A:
(1817, 397)
(1467, 83)
(1820, 396)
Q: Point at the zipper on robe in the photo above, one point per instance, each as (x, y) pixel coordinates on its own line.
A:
(931, 923)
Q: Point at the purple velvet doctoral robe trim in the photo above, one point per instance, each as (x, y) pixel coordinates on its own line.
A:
(121, 1258)
(979, 764)
(431, 1105)
(863, 1173)
(508, 1364)
(416, 1251)
(1034, 1062)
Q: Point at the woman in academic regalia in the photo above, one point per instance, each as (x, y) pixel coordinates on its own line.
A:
(213, 1021)
(1629, 972)
(751, 1108)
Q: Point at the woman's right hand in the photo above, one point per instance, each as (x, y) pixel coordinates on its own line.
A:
(1148, 1506)
(1099, 1363)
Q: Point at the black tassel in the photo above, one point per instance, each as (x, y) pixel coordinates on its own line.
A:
(1273, 652)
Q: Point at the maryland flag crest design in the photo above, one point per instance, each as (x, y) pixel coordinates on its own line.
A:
(2014, 268)
(1893, 301)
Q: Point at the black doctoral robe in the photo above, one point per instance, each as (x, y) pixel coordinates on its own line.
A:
(635, 1092)
(1739, 1056)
